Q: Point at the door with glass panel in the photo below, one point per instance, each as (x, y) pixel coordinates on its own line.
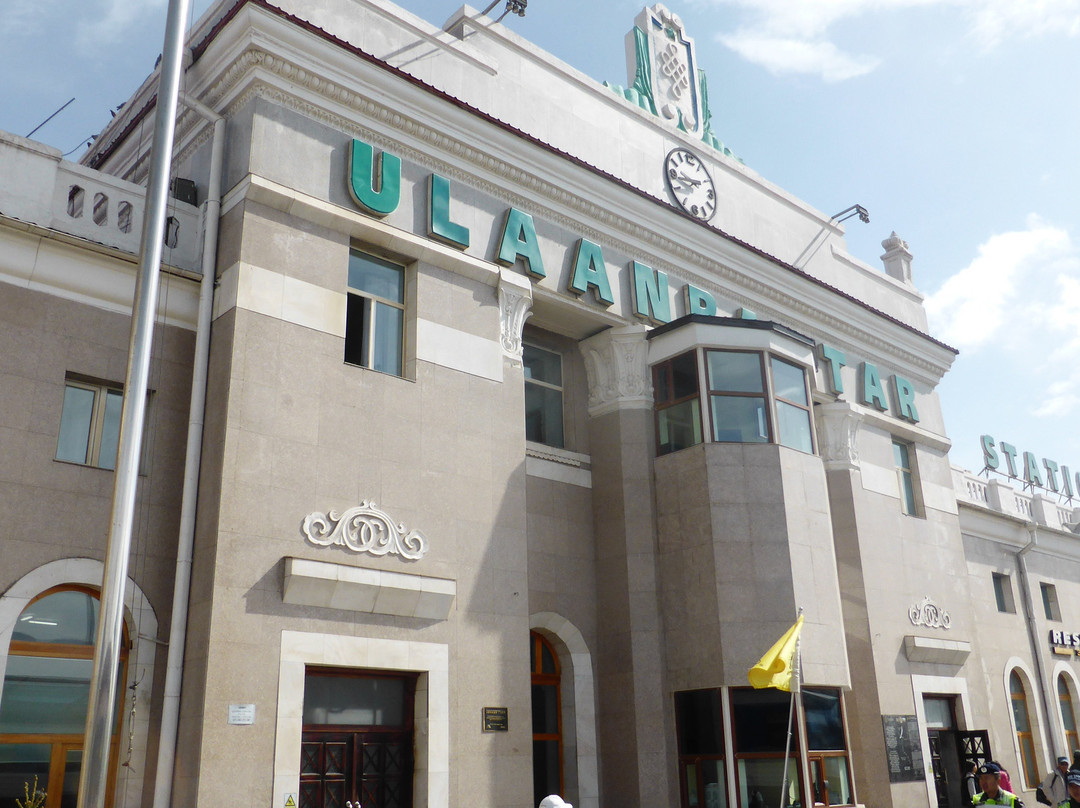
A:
(45, 695)
(546, 718)
(357, 742)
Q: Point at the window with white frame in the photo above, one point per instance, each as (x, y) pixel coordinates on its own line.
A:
(543, 395)
(375, 314)
(90, 424)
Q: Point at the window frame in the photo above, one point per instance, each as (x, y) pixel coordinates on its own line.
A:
(1051, 606)
(369, 301)
(1028, 765)
(764, 393)
(95, 430)
(1066, 706)
(672, 402)
(538, 643)
(1003, 592)
(696, 760)
(907, 478)
(560, 388)
(63, 743)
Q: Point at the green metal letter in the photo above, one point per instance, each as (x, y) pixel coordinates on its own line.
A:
(1051, 469)
(698, 301)
(590, 270)
(990, 455)
(836, 360)
(439, 225)
(872, 391)
(519, 241)
(905, 399)
(1066, 481)
(650, 293)
(1009, 451)
(374, 184)
(1031, 470)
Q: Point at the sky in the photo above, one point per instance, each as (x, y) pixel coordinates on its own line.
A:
(956, 123)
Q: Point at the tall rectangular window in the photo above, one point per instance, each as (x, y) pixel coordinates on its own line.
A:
(792, 405)
(699, 724)
(760, 719)
(543, 395)
(1050, 601)
(375, 314)
(90, 424)
(903, 456)
(678, 410)
(737, 399)
(1003, 593)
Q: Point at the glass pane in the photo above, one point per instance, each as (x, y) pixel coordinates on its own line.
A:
(45, 695)
(75, 421)
(545, 769)
(739, 419)
(691, 785)
(662, 383)
(760, 779)
(731, 372)
(684, 375)
(110, 429)
(794, 427)
(699, 722)
(679, 426)
(1020, 714)
(545, 709)
(354, 701)
(824, 722)
(1065, 700)
(68, 617)
(20, 763)
(542, 365)
(547, 660)
(999, 592)
(761, 721)
(386, 356)
(712, 778)
(907, 492)
(72, 766)
(376, 277)
(789, 381)
(357, 312)
(939, 713)
(900, 456)
(543, 415)
(838, 781)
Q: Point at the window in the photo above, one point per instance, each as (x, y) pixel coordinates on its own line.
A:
(903, 457)
(1003, 593)
(45, 697)
(827, 746)
(543, 396)
(90, 424)
(546, 719)
(699, 724)
(1068, 714)
(375, 314)
(678, 409)
(1022, 724)
(758, 398)
(760, 730)
(357, 741)
(1050, 602)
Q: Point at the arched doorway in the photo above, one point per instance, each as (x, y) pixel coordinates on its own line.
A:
(546, 719)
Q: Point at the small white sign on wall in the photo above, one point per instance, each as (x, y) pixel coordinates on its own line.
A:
(242, 714)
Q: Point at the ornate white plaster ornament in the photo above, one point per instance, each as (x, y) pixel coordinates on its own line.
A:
(515, 305)
(364, 529)
(839, 439)
(929, 614)
(615, 362)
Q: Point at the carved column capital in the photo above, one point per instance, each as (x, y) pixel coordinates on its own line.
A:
(515, 304)
(838, 436)
(618, 370)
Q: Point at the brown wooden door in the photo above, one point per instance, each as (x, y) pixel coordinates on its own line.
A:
(372, 769)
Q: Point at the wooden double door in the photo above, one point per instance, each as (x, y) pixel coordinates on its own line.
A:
(373, 769)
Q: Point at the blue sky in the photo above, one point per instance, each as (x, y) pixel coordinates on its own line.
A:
(956, 123)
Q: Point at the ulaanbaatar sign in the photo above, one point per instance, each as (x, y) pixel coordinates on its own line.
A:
(1059, 479)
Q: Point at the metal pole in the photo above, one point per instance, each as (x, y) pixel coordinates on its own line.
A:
(791, 714)
(93, 779)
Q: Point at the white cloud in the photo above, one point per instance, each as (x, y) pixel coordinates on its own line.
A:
(798, 28)
(1007, 284)
(786, 56)
(113, 21)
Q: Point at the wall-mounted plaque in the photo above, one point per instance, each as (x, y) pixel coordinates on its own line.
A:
(496, 719)
(903, 747)
(242, 714)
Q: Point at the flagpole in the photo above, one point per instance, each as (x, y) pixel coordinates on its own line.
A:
(795, 691)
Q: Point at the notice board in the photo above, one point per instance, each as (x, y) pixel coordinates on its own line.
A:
(903, 747)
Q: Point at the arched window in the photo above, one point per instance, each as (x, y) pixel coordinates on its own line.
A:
(45, 694)
(1022, 723)
(546, 719)
(1068, 713)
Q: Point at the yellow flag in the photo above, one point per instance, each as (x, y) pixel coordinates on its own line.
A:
(774, 669)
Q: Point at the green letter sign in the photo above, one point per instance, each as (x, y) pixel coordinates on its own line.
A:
(439, 225)
(589, 270)
(650, 293)
(519, 240)
(374, 184)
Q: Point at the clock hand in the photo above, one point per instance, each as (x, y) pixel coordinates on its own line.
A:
(685, 179)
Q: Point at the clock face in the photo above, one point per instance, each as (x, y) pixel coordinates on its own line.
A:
(690, 184)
